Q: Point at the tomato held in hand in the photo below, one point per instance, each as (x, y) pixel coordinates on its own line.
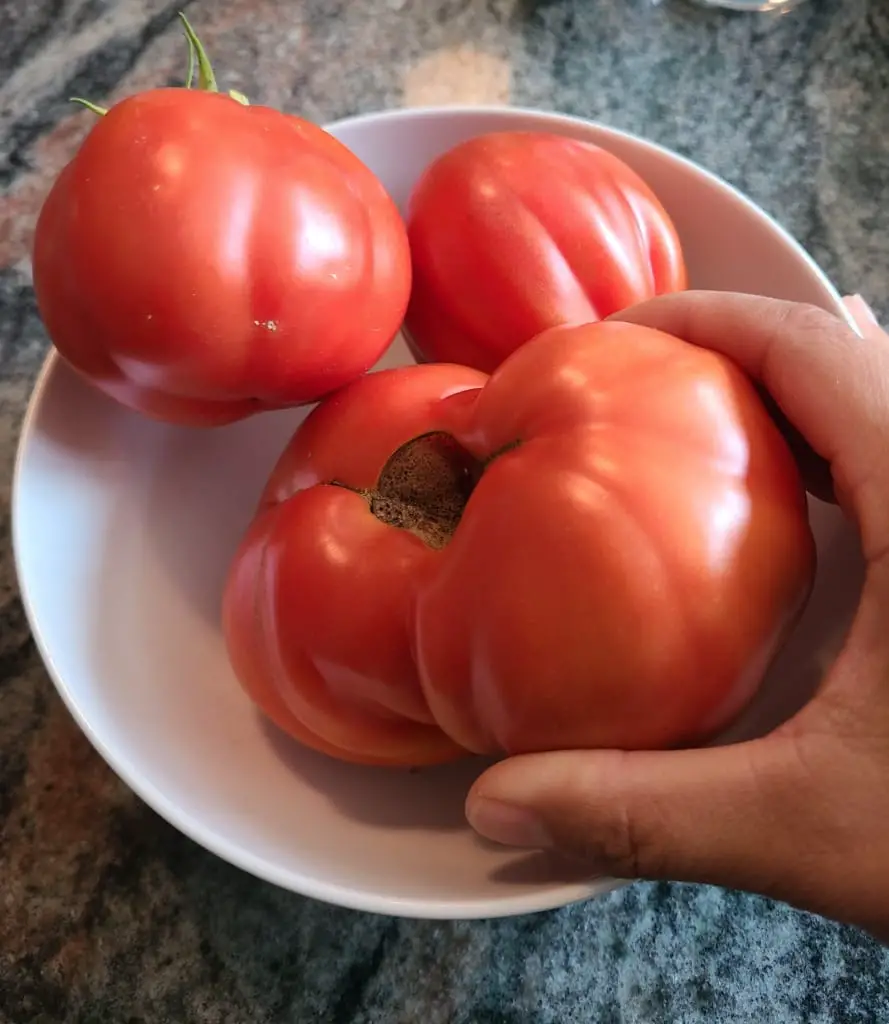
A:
(515, 232)
(200, 259)
(604, 544)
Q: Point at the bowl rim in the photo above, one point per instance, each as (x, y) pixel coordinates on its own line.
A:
(349, 897)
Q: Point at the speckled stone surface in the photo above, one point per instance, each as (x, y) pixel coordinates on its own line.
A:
(108, 914)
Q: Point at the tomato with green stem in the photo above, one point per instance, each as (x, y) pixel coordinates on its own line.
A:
(201, 259)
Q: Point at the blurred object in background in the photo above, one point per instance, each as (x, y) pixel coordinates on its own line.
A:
(764, 6)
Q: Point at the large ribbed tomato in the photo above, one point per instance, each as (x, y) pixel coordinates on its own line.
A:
(200, 259)
(603, 544)
(515, 232)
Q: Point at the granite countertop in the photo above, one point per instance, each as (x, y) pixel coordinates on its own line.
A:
(107, 913)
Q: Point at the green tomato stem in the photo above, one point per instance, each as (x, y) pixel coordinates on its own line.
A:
(94, 107)
(206, 78)
(192, 58)
(197, 57)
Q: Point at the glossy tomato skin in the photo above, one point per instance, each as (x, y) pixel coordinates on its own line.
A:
(626, 567)
(200, 260)
(319, 602)
(515, 232)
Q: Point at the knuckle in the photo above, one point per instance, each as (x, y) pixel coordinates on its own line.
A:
(797, 327)
(620, 839)
(807, 318)
(613, 846)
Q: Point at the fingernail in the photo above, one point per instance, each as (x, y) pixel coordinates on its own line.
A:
(508, 824)
(861, 312)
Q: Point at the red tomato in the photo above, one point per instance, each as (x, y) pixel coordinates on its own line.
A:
(201, 260)
(514, 232)
(604, 544)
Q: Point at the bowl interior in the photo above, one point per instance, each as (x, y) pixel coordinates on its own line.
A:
(123, 531)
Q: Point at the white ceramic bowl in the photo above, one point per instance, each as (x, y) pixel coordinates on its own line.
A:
(123, 530)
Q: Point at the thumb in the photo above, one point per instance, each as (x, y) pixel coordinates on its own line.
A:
(718, 815)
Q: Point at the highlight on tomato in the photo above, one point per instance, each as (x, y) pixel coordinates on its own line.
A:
(515, 232)
(474, 570)
(201, 259)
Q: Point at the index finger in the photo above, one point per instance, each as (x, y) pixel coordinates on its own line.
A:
(828, 384)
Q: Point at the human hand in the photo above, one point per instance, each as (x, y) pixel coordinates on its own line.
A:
(802, 814)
